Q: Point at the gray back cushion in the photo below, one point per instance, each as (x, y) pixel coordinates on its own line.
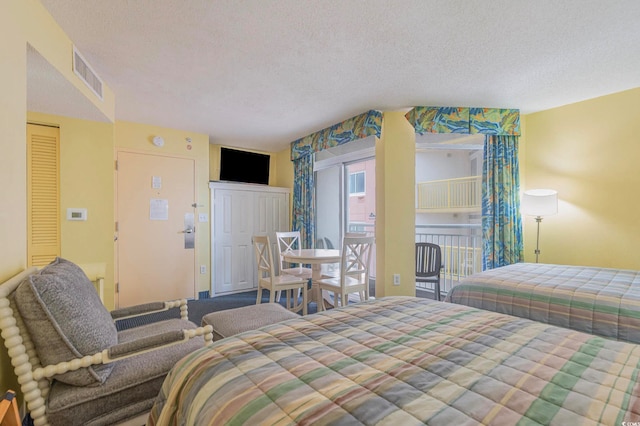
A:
(66, 319)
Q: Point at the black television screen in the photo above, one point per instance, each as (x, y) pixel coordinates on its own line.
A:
(244, 166)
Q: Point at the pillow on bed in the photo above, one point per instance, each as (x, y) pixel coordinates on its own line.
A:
(66, 320)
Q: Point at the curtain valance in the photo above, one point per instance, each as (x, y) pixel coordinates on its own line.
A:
(358, 127)
(488, 121)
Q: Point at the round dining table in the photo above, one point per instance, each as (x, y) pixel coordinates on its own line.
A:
(315, 258)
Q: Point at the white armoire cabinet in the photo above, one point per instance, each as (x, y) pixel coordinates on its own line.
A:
(239, 211)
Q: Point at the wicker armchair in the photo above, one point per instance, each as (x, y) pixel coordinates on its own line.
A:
(72, 365)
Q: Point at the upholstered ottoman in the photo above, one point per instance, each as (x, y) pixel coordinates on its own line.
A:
(233, 321)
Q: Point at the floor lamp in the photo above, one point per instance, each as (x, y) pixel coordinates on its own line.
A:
(539, 203)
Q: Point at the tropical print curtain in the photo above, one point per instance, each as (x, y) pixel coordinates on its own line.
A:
(501, 220)
(486, 121)
(302, 150)
(303, 200)
(358, 127)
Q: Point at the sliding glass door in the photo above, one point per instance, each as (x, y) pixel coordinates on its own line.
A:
(345, 201)
(345, 196)
(360, 200)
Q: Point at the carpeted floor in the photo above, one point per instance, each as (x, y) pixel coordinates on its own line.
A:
(199, 308)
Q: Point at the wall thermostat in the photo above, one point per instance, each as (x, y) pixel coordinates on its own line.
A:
(76, 214)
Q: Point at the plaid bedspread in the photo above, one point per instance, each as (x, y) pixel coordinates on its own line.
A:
(404, 361)
(601, 301)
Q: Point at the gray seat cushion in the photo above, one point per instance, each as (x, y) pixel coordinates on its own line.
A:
(233, 321)
(130, 389)
(66, 319)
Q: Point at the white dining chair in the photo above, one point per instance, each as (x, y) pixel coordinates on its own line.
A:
(354, 271)
(289, 241)
(267, 278)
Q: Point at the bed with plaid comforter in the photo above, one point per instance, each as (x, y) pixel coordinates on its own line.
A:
(600, 301)
(404, 361)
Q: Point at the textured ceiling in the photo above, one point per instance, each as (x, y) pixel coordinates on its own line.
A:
(259, 74)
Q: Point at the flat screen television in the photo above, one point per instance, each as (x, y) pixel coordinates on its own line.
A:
(244, 166)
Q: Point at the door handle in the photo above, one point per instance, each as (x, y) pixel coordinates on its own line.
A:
(189, 231)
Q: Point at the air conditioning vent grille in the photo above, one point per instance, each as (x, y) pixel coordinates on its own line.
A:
(83, 70)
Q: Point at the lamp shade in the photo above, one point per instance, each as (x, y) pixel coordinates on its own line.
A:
(540, 202)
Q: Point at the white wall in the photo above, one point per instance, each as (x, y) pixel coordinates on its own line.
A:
(438, 164)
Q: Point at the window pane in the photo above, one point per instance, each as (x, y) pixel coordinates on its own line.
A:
(356, 183)
(360, 182)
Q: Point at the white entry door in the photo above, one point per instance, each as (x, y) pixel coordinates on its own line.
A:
(155, 217)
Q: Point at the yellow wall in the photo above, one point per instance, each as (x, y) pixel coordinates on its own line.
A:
(284, 176)
(395, 206)
(13, 192)
(24, 22)
(13, 116)
(284, 169)
(214, 162)
(86, 181)
(589, 152)
(138, 138)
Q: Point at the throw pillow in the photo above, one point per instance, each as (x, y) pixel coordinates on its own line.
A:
(66, 320)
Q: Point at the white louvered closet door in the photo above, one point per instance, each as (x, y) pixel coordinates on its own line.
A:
(43, 194)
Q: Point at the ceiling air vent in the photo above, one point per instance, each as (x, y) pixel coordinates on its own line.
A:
(86, 74)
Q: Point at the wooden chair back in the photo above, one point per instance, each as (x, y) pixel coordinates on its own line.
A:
(356, 259)
(286, 241)
(264, 258)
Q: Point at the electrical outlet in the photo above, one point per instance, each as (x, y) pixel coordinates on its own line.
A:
(396, 279)
(203, 269)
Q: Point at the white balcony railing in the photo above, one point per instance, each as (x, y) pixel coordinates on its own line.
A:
(460, 244)
(459, 194)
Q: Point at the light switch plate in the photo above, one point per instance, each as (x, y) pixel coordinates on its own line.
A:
(203, 217)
